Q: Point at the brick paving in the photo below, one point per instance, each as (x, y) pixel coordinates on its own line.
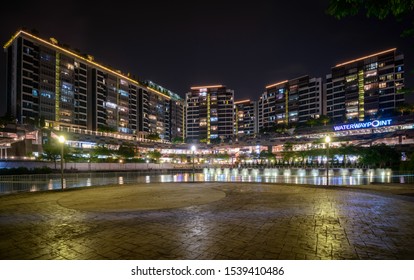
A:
(237, 221)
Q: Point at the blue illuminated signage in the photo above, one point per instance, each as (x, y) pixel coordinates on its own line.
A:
(360, 125)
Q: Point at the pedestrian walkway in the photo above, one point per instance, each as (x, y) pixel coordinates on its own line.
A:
(206, 221)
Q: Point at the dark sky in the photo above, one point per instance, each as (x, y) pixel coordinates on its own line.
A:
(178, 44)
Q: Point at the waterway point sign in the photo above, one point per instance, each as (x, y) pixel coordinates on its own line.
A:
(362, 125)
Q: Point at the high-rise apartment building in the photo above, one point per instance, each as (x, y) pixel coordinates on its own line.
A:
(365, 87)
(245, 122)
(68, 89)
(173, 111)
(209, 113)
(290, 101)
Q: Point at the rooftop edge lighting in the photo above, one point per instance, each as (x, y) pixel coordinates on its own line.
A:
(276, 84)
(81, 58)
(365, 57)
(241, 101)
(200, 87)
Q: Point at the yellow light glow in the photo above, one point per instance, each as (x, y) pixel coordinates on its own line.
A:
(242, 101)
(327, 139)
(81, 58)
(279, 83)
(365, 57)
(61, 139)
(200, 87)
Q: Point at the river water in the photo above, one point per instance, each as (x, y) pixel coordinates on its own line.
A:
(31, 183)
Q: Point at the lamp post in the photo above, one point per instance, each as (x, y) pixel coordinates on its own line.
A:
(62, 142)
(193, 149)
(327, 141)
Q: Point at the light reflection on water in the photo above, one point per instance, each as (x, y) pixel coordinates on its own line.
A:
(267, 175)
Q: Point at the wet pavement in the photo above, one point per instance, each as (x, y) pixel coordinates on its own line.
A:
(209, 221)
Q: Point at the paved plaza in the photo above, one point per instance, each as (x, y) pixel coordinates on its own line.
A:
(237, 221)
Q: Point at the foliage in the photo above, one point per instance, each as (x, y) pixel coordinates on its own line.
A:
(105, 128)
(324, 119)
(126, 151)
(380, 156)
(51, 150)
(100, 150)
(371, 8)
(215, 140)
(154, 155)
(6, 119)
(311, 122)
(153, 136)
(224, 156)
(176, 140)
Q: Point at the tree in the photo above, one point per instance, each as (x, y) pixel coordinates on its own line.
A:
(153, 136)
(311, 122)
(126, 151)
(266, 155)
(288, 153)
(99, 150)
(6, 119)
(324, 119)
(403, 108)
(372, 8)
(53, 149)
(177, 140)
(380, 156)
(154, 155)
(105, 128)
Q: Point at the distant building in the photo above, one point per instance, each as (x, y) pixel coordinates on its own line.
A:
(70, 90)
(290, 101)
(366, 87)
(209, 113)
(245, 123)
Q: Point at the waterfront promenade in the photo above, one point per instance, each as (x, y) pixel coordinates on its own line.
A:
(210, 221)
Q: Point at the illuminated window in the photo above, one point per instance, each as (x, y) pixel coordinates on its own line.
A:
(371, 73)
(371, 66)
(123, 93)
(370, 86)
(351, 78)
(382, 85)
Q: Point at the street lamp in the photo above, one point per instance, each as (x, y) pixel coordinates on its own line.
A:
(193, 149)
(62, 142)
(327, 141)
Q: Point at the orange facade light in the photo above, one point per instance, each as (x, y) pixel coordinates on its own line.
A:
(365, 57)
(279, 83)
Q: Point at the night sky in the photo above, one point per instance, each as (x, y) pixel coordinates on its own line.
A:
(178, 44)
